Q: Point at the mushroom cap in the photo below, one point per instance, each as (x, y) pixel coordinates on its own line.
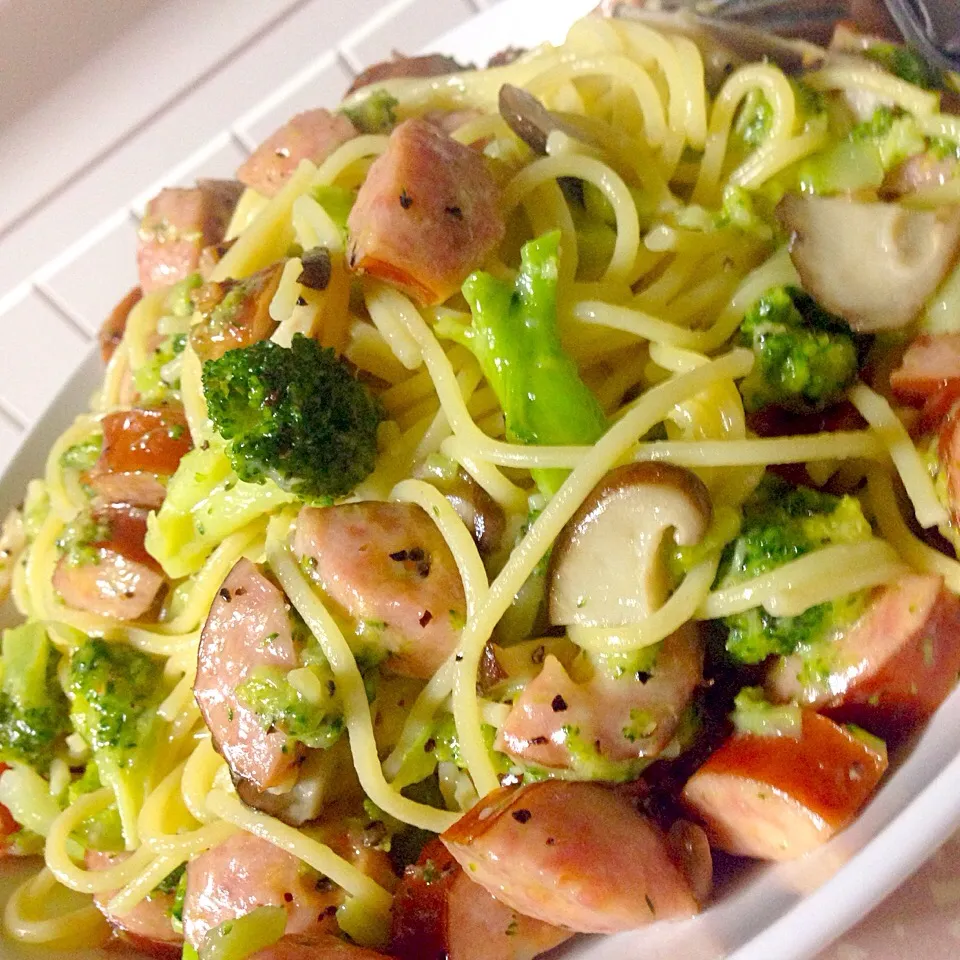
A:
(874, 264)
(606, 568)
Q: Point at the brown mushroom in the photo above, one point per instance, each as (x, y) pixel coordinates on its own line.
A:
(874, 264)
(606, 567)
(532, 122)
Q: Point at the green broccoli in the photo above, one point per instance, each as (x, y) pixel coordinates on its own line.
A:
(375, 114)
(864, 157)
(103, 831)
(295, 416)
(33, 708)
(783, 523)
(205, 503)
(114, 691)
(302, 704)
(754, 119)
(157, 380)
(84, 454)
(907, 64)
(514, 335)
(806, 357)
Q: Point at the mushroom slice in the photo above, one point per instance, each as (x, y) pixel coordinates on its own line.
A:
(532, 122)
(874, 264)
(606, 567)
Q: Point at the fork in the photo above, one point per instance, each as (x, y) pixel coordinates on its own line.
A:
(932, 27)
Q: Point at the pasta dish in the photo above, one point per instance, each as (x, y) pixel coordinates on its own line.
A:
(519, 485)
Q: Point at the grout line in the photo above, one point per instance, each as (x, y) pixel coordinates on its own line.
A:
(244, 142)
(62, 308)
(345, 63)
(13, 416)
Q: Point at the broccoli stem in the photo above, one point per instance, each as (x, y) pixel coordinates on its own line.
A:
(515, 338)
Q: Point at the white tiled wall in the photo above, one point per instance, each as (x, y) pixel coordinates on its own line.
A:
(179, 91)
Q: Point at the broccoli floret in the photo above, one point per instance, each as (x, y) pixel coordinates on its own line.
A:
(805, 357)
(376, 114)
(754, 119)
(907, 64)
(205, 503)
(864, 157)
(780, 524)
(33, 708)
(103, 831)
(296, 416)
(83, 455)
(114, 691)
(302, 704)
(159, 378)
(514, 335)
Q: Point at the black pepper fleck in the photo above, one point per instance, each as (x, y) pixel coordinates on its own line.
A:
(426, 618)
(430, 746)
(558, 704)
(455, 212)
(225, 594)
(406, 201)
(521, 816)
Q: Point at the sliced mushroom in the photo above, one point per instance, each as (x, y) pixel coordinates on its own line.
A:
(874, 264)
(724, 45)
(532, 122)
(606, 567)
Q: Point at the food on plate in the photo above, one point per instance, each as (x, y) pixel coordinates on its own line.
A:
(514, 488)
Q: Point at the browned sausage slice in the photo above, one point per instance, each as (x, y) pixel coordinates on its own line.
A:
(247, 627)
(388, 567)
(891, 669)
(312, 135)
(427, 214)
(178, 223)
(572, 854)
(438, 911)
(777, 798)
(147, 926)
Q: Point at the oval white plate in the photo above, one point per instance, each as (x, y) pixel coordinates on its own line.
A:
(784, 912)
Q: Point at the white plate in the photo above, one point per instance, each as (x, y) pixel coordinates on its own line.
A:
(784, 912)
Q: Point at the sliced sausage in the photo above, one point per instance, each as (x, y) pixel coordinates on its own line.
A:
(438, 911)
(178, 223)
(892, 668)
(147, 926)
(388, 567)
(245, 872)
(247, 627)
(777, 798)
(930, 364)
(139, 446)
(113, 328)
(122, 580)
(572, 854)
(625, 718)
(312, 135)
(427, 214)
(405, 68)
(235, 313)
